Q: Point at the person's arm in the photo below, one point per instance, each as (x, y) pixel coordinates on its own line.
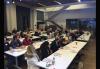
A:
(19, 43)
(12, 45)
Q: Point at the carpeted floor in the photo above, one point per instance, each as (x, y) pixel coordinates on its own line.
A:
(89, 60)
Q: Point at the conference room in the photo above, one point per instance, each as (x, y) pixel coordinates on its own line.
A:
(49, 34)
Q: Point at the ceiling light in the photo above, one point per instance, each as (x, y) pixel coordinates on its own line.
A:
(58, 2)
(79, 0)
(8, 2)
(53, 8)
(78, 6)
(13, 2)
(20, 0)
(41, 4)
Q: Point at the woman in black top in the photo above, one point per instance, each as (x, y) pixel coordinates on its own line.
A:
(45, 50)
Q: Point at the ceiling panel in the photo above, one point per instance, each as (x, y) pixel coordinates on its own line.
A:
(41, 3)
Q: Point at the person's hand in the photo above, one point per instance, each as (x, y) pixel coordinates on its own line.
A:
(22, 46)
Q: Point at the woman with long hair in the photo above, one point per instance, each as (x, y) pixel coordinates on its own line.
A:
(45, 50)
(31, 57)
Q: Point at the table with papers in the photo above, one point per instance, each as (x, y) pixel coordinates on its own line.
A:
(16, 53)
(84, 37)
(21, 51)
(63, 57)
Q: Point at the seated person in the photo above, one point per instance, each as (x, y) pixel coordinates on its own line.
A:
(15, 43)
(37, 33)
(63, 42)
(31, 57)
(22, 34)
(6, 44)
(57, 35)
(14, 31)
(27, 41)
(9, 58)
(45, 50)
(49, 31)
(81, 32)
(66, 32)
(73, 36)
(29, 34)
(54, 45)
(60, 41)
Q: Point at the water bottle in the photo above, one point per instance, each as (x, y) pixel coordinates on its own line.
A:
(53, 61)
(47, 64)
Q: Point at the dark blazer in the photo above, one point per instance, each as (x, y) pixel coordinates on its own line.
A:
(15, 43)
(54, 47)
(45, 51)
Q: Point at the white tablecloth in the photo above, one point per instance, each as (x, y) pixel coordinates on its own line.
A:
(85, 36)
(64, 56)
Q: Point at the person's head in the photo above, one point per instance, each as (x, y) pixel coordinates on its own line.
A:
(26, 36)
(15, 37)
(45, 44)
(57, 39)
(30, 51)
(60, 37)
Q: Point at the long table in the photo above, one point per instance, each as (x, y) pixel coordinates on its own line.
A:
(63, 57)
(66, 55)
(18, 52)
(85, 37)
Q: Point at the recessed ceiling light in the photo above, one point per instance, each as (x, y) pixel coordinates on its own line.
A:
(13, 2)
(20, 0)
(53, 8)
(41, 4)
(79, 0)
(8, 2)
(58, 2)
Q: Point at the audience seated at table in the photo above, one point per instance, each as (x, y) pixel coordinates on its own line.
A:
(45, 50)
(15, 43)
(27, 41)
(73, 36)
(81, 32)
(62, 42)
(31, 57)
